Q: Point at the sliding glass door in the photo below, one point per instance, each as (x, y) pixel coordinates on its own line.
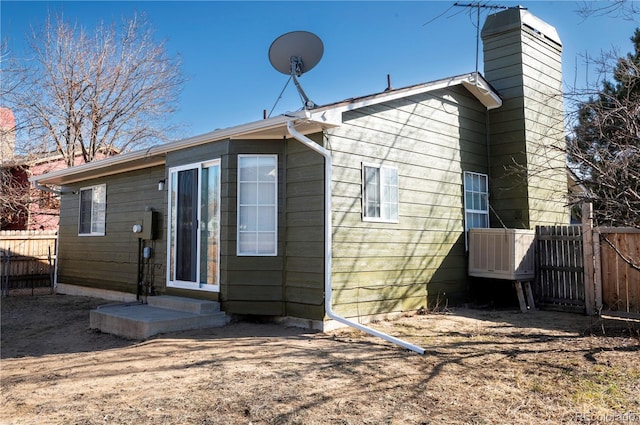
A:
(194, 226)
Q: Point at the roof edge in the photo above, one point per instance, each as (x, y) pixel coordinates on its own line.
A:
(149, 157)
(473, 81)
(324, 116)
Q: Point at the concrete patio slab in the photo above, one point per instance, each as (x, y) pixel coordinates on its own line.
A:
(140, 321)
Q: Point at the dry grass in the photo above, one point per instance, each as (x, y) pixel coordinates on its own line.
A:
(481, 367)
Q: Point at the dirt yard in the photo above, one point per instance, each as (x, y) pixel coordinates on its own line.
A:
(480, 367)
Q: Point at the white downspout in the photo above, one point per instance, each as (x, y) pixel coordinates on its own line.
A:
(327, 245)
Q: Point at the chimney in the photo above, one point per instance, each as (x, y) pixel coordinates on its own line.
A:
(7, 136)
(522, 61)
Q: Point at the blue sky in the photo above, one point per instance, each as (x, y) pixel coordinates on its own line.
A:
(224, 46)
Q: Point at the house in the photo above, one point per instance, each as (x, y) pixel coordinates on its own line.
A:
(13, 178)
(33, 209)
(29, 209)
(365, 202)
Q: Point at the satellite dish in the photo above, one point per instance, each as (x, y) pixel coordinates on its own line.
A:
(295, 53)
(299, 49)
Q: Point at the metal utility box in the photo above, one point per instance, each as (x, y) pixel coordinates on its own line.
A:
(149, 225)
(502, 254)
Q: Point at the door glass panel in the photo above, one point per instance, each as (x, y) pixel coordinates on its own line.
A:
(186, 225)
(210, 228)
(194, 226)
(173, 196)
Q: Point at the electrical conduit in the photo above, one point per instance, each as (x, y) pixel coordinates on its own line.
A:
(327, 245)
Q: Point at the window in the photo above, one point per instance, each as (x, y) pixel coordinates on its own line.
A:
(257, 204)
(93, 203)
(476, 200)
(380, 193)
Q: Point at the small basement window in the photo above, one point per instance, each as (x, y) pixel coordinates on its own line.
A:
(93, 206)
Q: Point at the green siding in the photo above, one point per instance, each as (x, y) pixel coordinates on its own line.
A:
(111, 261)
(204, 152)
(251, 285)
(248, 284)
(304, 243)
(391, 267)
(378, 268)
(525, 68)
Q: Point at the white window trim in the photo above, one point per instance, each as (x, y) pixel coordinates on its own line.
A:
(93, 212)
(486, 193)
(273, 253)
(464, 201)
(382, 169)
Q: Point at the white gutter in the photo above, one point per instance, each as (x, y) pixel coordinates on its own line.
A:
(148, 154)
(473, 82)
(327, 245)
(37, 185)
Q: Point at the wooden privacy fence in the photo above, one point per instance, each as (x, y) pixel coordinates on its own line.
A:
(588, 269)
(560, 276)
(27, 258)
(620, 269)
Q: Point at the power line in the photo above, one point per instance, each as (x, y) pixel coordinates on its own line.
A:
(439, 16)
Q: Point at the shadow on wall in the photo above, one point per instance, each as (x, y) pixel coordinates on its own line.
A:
(391, 267)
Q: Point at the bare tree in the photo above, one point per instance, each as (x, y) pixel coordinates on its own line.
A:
(13, 190)
(103, 92)
(625, 9)
(80, 95)
(604, 146)
(14, 196)
(601, 141)
(13, 76)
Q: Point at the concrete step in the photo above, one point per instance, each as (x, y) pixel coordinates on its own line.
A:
(189, 305)
(140, 321)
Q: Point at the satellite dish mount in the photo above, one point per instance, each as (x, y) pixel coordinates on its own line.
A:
(297, 67)
(295, 53)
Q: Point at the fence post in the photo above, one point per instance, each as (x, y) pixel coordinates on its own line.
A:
(597, 269)
(5, 270)
(587, 252)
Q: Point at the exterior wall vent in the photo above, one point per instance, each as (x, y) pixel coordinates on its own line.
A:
(502, 254)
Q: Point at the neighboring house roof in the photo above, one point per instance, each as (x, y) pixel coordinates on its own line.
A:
(35, 160)
(55, 156)
(307, 122)
(575, 185)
